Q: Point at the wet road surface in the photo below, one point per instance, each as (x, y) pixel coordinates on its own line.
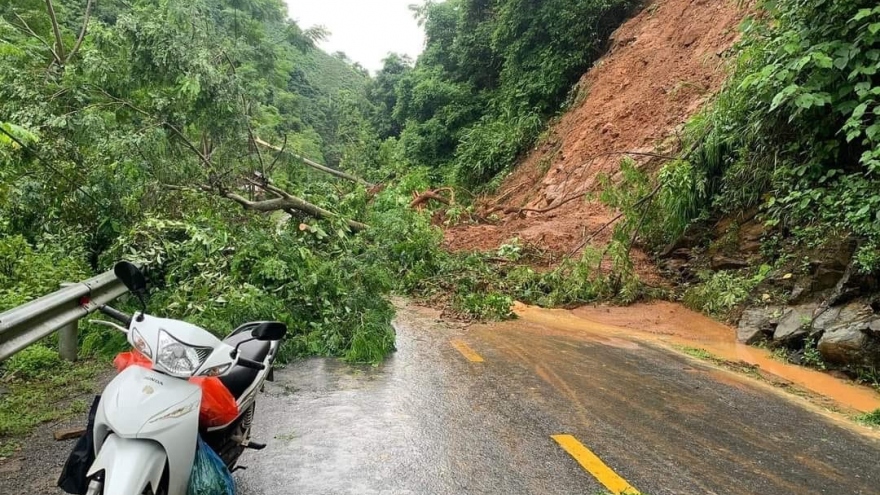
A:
(475, 410)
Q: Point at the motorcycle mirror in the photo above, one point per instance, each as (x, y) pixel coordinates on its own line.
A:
(269, 331)
(133, 278)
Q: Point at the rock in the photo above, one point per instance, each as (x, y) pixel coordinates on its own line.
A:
(827, 319)
(827, 276)
(839, 315)
(795, 323)
(721, 262)
(842, 374)
(798, 293)
(756, 324)
(681, 253)
(874, 326)
(845, 344)
(677, 266)
(69, 433)
(750, 235)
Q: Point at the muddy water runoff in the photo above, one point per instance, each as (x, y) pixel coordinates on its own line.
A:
(672, 325)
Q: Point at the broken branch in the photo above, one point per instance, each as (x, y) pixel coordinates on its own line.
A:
(286, 203)
(315, 165)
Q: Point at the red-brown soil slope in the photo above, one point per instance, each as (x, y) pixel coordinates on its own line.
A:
(662, 67)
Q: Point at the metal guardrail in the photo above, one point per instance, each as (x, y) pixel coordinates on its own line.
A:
(57, 312)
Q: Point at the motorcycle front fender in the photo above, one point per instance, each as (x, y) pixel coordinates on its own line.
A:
(129, 465)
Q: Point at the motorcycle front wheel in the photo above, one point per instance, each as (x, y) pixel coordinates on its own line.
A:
(97, 488)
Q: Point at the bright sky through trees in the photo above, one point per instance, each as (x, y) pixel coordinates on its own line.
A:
(366, 30)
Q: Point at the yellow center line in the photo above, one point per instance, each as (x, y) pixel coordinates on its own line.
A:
(466, 351)
(593, 465)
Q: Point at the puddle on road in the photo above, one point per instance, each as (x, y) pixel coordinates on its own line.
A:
(672, 324)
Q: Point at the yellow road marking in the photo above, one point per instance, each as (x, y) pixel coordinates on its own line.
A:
(466, 351)
(590, 462)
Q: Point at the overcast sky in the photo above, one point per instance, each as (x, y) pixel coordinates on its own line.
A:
(366, 30)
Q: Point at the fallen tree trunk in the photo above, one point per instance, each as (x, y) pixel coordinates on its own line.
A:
(285, 201)
(315, 165)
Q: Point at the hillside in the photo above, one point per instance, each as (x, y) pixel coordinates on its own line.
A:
(663, 65)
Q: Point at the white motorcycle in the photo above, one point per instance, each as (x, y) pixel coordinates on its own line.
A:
(147, 422)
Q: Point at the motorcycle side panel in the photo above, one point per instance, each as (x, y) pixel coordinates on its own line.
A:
(142, 404)
(129, 465)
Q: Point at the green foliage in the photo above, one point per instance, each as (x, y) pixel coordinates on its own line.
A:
(36, 395)
(719, 292)
(871, 418)
(33, 362)
(812, 356)
(490, 146)
(490, 74)
(29, 271)
(155, 89)
(219, 276)
(796, 129)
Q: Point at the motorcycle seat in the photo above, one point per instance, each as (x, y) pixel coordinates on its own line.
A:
(240, 378)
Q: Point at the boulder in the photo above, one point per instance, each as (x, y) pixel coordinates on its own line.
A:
(846, 344)
(720, 262)
(756, 324)
(839, 315)
(794, 325)
(827, 319)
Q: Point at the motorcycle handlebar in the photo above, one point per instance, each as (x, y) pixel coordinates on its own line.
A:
(116, 315)
(248, 363)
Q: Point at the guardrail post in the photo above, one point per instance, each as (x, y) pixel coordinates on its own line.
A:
(68, 335)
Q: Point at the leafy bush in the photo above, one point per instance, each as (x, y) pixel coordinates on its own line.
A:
(493, 145)
(221, 276)
(871, 418)
(796, 130)
(29, 271)
(719, 292)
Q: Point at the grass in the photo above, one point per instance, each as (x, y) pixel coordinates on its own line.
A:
(697, 353)
(34, 396)
(870, 419)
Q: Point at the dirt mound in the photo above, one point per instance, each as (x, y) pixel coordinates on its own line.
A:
(663, 65)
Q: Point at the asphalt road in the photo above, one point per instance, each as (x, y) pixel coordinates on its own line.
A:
(481, 410)
(432, 421)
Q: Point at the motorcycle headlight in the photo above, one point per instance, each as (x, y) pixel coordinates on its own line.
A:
(177, 358)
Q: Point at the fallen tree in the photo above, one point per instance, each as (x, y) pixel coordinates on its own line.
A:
(317, 166)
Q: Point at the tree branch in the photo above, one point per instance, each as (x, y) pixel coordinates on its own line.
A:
(82, 33)
(30, 31)
(286, 203)
(59, 43)
(615, 219)
(317, 166)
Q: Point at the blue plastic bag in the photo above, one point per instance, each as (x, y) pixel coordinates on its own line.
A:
(209, 474)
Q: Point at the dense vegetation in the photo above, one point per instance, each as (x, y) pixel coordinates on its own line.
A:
(491, 73)
(797, 128)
